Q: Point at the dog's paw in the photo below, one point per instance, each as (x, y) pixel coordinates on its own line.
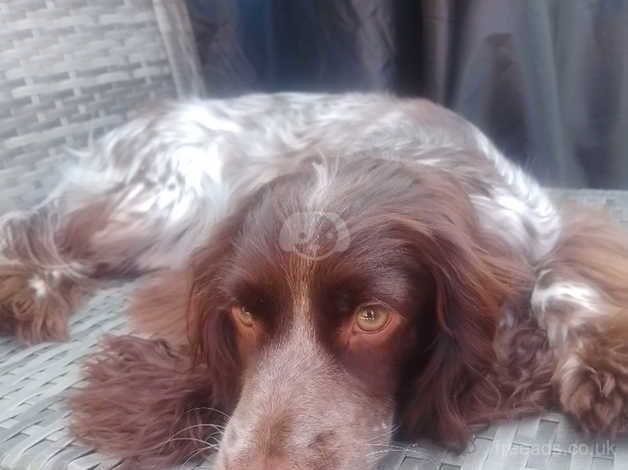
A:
(32, 308)
(593, 388)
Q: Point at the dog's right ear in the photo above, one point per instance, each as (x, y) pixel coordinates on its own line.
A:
(187, 308)
(144, 401)
(155, 401)
(210, 332)
(159, 306)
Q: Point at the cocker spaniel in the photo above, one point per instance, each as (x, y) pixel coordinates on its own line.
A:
(322, 271)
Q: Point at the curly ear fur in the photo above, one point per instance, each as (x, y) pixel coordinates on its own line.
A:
(159, 401)
(449, 388)
(145, 401)
(30, 317)
(210, 331)
(159, 307)
(588, 332)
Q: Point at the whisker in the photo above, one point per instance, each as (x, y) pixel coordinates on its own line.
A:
(200, 425)
(381, 452)
(209, 408)
(191, 439)
(385, 448)
(386, 433)
(208, 447)
(175, 437)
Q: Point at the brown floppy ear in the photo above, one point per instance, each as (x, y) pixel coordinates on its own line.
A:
(447, 384)
(188, 307)
(159, 306)
(210, 331)
(144, 401)
(160, 401)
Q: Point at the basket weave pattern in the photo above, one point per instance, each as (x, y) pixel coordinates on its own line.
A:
(68, 69)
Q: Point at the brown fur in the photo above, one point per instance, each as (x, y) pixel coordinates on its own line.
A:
(175, 396)
(159, 306)
(146, 401)
(449, 374)
(29, 318)
(593, 250)
(463, 349)
(30, 258)
(61, 251)
(472, 286)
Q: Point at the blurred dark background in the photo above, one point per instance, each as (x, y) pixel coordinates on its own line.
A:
(546, 79)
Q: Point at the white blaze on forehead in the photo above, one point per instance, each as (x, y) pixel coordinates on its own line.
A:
(324, 175)
(323, 232)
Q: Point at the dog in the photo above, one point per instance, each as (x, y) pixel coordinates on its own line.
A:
(320, 271)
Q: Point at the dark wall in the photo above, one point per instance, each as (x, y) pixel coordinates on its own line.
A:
(547, 80)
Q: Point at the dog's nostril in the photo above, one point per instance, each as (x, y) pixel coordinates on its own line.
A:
(323, 445)
(323, 439)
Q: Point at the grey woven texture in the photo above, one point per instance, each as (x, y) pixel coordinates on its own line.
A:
(68, 69)
(34, 381)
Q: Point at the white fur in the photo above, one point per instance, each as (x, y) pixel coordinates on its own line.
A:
(569, 371)
(539, 211)
(39, 286)
(563, 307)
(167, 176)
(503, 213)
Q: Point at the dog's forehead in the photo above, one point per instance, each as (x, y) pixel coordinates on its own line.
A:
(283, 247)
(312, 246)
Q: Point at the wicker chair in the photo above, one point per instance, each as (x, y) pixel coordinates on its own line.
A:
(72, 69)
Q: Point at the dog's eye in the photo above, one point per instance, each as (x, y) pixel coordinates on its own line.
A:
(241, 314)
(371, 318)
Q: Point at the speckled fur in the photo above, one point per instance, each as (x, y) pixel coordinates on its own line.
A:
(147, 194)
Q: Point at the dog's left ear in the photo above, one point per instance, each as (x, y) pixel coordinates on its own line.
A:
(447, 384)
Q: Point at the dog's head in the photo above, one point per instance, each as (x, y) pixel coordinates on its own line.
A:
(339, 300)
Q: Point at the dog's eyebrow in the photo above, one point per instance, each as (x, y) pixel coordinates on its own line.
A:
(261, 296)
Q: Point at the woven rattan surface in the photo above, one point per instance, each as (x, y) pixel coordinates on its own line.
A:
(34, 381)
(69, 68)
